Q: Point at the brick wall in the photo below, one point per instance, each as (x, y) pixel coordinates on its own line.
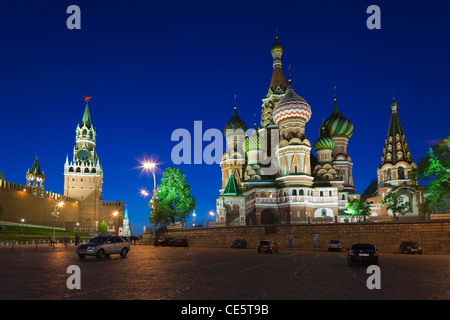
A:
(17, 202)
(433, 236)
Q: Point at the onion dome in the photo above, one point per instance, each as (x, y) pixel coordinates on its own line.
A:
(324, 141)
(235, 123)
(253, 142)
(276, 47)
(338, 124)
(291, 106)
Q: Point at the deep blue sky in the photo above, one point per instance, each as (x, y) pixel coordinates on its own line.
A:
(152, 67)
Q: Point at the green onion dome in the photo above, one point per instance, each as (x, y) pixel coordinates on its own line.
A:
(253, 142)
(338, 124)
(324, 141)
(235, 123)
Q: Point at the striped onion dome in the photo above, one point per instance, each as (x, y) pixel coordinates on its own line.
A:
(291, 106)
(235, 123)
(253, 142)
(324, 141)
(338, 124)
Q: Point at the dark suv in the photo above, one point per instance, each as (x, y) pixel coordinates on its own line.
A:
(239, 244)
(410, 247)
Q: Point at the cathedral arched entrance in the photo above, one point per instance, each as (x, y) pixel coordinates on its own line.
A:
(232, 214)
(269, 216)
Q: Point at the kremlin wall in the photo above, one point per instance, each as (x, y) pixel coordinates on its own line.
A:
(18, 203)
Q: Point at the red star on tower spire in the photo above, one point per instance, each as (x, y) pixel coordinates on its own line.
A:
(87, 98)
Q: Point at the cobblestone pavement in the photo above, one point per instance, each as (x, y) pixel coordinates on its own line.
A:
(163, 273)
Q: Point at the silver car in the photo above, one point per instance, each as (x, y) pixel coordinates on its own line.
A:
(103, 246)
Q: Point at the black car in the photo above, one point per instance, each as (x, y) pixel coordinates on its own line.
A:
(410, 247)
(364, 253)
(239, 244)
(164, 241)
(178, 243)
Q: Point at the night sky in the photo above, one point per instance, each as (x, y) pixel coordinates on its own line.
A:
(153, 67)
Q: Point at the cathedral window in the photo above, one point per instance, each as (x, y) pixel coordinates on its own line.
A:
(321, 193)
(294, 192)
(301, 192)
(330, 193)
(401, 173)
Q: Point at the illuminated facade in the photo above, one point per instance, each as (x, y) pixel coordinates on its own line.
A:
(83, 180)
(271, 176)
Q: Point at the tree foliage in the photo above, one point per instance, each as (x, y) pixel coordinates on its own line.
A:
(102, 227)
(174, 201)
(434, 171)
(395, 202)
(358, 207)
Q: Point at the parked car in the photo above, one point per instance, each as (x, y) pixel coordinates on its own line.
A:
(364, 253)
(239, 244)
(334, 245)
(178, 243)
(268, 247)
(410, 247)
(103, 246)
(164, 241)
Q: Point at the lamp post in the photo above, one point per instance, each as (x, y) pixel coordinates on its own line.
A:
(151, 166)
(114, 214)
(22, 221)
(193, 219)
(55, 216)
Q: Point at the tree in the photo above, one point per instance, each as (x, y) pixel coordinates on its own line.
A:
(357, 207)
(174, 201)
(434, 171)
(102, 227)
(395, 202)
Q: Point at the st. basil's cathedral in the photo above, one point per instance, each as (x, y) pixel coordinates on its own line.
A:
(271, 176)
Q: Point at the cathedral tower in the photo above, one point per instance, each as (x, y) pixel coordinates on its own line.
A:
(341, 130)
(83, 175)
(396, 160)
(291, 114)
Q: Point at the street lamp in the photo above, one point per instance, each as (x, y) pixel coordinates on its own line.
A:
(151, 166)
(22, 220)
(55, 216)
(193, 220)
(114, 214)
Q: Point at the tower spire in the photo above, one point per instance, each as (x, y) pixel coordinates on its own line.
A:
(278, 82)
(86, 121)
